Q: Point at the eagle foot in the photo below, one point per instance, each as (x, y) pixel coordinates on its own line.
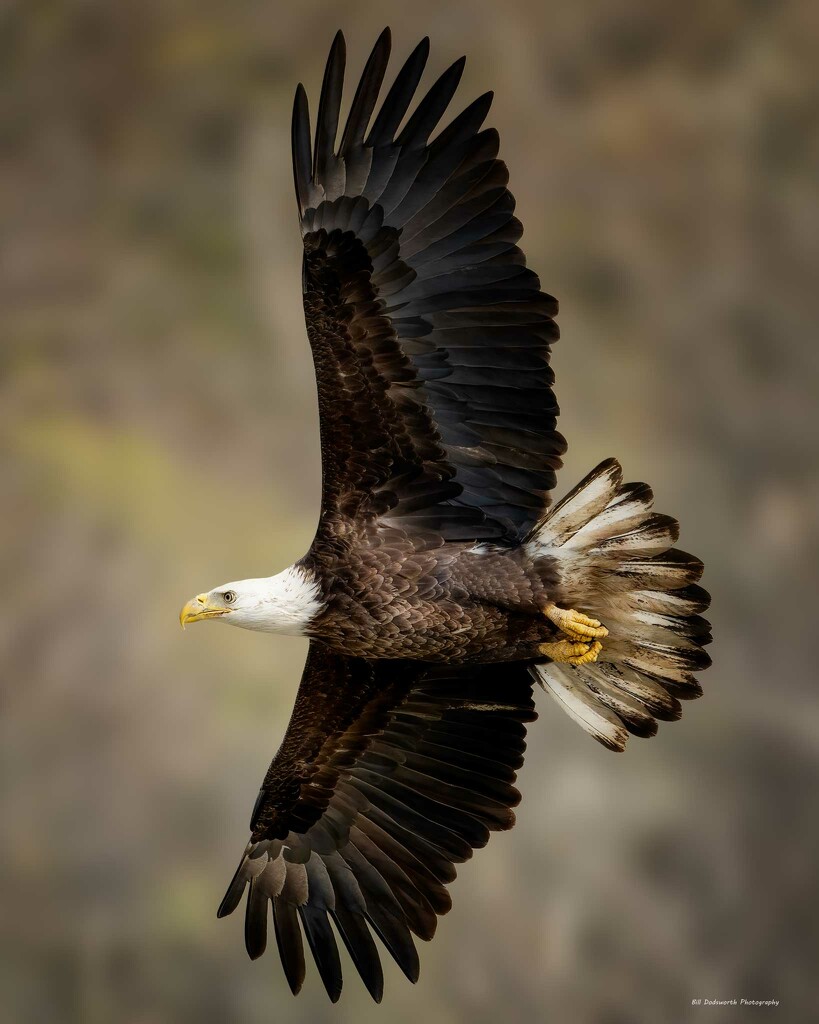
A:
(572, 652)
(575, 625)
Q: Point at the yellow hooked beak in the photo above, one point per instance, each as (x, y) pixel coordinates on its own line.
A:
(198, 608)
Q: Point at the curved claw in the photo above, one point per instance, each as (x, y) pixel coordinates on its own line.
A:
(574, 624)
(572, 652)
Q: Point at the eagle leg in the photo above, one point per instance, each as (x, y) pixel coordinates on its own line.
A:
(575, 625)
(572, 652)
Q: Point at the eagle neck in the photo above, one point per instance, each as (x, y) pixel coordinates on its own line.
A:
(290, 601)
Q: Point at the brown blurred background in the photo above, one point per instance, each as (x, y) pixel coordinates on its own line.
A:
(159, 436)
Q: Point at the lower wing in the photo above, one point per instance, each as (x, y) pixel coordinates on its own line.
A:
(389, 774)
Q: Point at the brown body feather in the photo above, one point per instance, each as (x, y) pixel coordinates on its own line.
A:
(391, 595)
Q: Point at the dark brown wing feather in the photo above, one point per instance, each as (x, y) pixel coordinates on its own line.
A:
(430, 336)
(389, 774)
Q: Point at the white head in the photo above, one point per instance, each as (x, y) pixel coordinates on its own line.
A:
(285, 603)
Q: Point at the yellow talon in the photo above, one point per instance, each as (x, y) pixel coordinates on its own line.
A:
(574, 624)
(572, 652)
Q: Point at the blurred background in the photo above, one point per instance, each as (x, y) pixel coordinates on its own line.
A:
(158, 435)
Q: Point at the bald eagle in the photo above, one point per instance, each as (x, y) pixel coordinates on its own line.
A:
(441, 583)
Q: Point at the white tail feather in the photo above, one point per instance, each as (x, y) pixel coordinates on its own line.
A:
(615, 560)
(579, 506)
(580, 704)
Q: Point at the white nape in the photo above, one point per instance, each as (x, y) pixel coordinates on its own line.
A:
(285, 603)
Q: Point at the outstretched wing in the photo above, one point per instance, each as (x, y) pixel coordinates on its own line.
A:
(389, 774)
(430, 336)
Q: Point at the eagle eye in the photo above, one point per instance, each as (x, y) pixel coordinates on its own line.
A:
(229, 596)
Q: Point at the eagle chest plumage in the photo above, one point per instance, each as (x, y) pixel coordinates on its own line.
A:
(457, 602)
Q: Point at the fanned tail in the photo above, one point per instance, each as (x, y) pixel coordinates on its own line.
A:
(616, 561)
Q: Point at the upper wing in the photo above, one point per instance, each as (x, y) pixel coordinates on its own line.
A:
(389, 774)
(429, 334)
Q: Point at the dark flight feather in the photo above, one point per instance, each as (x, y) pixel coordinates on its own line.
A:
(324, 159)
(300, 141)
(366, 95)
(399, 97)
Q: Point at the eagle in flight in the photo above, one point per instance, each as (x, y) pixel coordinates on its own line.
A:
(442, 583)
